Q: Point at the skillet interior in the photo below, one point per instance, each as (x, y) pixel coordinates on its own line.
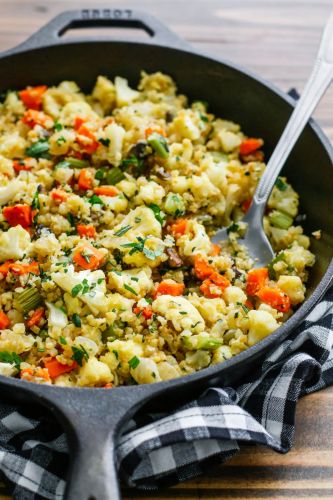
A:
(231, 94)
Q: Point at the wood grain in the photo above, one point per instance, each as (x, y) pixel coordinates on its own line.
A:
(278, 40)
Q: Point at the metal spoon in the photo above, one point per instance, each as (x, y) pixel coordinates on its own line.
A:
(255, 238)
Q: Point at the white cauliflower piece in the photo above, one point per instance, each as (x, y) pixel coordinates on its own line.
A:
(195, 240)
(7, 369)
(8, 192)
(124, 94)
(293, 287)
(14, 244)
(94, 373)
(234, 294)
(145, 372)
(115, 133)
(180, 311)
(228, 140)
(138, 280)
(72, 110)
(95, 298)
(261, 324)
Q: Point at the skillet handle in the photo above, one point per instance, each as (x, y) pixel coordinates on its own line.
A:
(51, 33)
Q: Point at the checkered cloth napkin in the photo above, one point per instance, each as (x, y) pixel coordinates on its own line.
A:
(158, 450)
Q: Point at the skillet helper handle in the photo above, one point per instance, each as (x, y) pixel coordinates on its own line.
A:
(51, 33)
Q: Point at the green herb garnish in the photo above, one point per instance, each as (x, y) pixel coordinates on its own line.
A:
(134, 362)
(38, 149)
(79, 354)
(76, 290)
(105, 142)
(159, 145)
(10, 357)
(157, 212)
(114, 175)
(95, 200)
(130, 289)
(62, 340)
(123, 230)
(233, 228)
(76, 320)
(280, 184)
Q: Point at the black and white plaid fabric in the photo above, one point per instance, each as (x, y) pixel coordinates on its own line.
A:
(160, 450)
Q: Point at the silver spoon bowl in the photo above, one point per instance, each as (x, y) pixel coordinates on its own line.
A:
(255, 239)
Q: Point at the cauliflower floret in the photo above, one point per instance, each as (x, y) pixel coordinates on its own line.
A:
(60, 142)
(12, 145)
(15, 341)
(115, 133)
(124, 94)
(234, 294)
(6, 167)
(95, 297)
(14, 244)
(104, 92)
(195, 240)
(185, 125)
(94, 373)
(180, 311)
(74, 109)
(298, 257)
(138, 280)
(210, 309)
(46, 245)
(261, 324)
(145, 372)
(115, 203)
(202, 188)
(56, 97)
(228, 140)
(7, 369)
(285, 200)
(10, 190)
(293, 287)
(123, 306)
(221, 354)
(167, 371)
(151, 192)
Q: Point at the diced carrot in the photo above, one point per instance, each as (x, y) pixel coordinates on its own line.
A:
(85, 180)
(88, 257)
(250, 145)
(154, 129)
(59, 195)
(201, 267)
(108, 386)
(215, 281)
(147, 312)
(4, 320)
(32, 96)
(18, 215)
(32, 117)
(249, 304)
(26, 373)
(36, 317)
(20, 269)
(106, 191)
(219, 280)
(19, 165)
(179, 227)
(86, 230)
(246, 204)
(274, 297)
(216, 250)
(78, 121)
(165, 288)
(5, 267)
(86, 139)
(256, 279)
(55, 368)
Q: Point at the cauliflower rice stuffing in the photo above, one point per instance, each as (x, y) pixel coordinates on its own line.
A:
(108, 201)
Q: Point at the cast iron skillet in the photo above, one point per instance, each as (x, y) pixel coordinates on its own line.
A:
(93, 417)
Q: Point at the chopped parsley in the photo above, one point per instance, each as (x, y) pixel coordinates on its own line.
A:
(76, 320)
(130, 289)
(62, 340)
(58, 126)
(95, 200)
(157, 212)
(105, 142)
(39, 149)
(123, 230)
(10, 357)
(134, 362)
(76, 290)
(79, 354)
(233, 228)
(280, 184)
(35, 204)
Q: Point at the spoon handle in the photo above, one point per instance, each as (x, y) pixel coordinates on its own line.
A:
(318, 82)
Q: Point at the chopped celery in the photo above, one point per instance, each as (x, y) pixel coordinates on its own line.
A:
(27, 300)
(73, 162)
(159, 145)
(280, 219)
(38, 149)
(201, 341)
(270, 267)
(114, 176)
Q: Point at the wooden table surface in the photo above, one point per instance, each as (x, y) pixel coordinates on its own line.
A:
(278, 39)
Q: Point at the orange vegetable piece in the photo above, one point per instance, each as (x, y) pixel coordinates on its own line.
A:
(32, 117)
(275, 297)
(4, 320)
(19, 165)
(216, 280)
(78, 121)
(179, 227)
(18, 215)
(42, 373)
(256, 279)
(55, 368)
(26, 373)
(20, 269)
(201, 267)
(165, 288)
(5, 267)
(246, 205)
(147, 312)
(86, 139)
(88, 257)
(32, 96)
(106, 191)
(36, 317)
(216, 250)
(250, 145)
(85, 180)
(154, 129)
(59, 195)
(108, 386)
(85, 230)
